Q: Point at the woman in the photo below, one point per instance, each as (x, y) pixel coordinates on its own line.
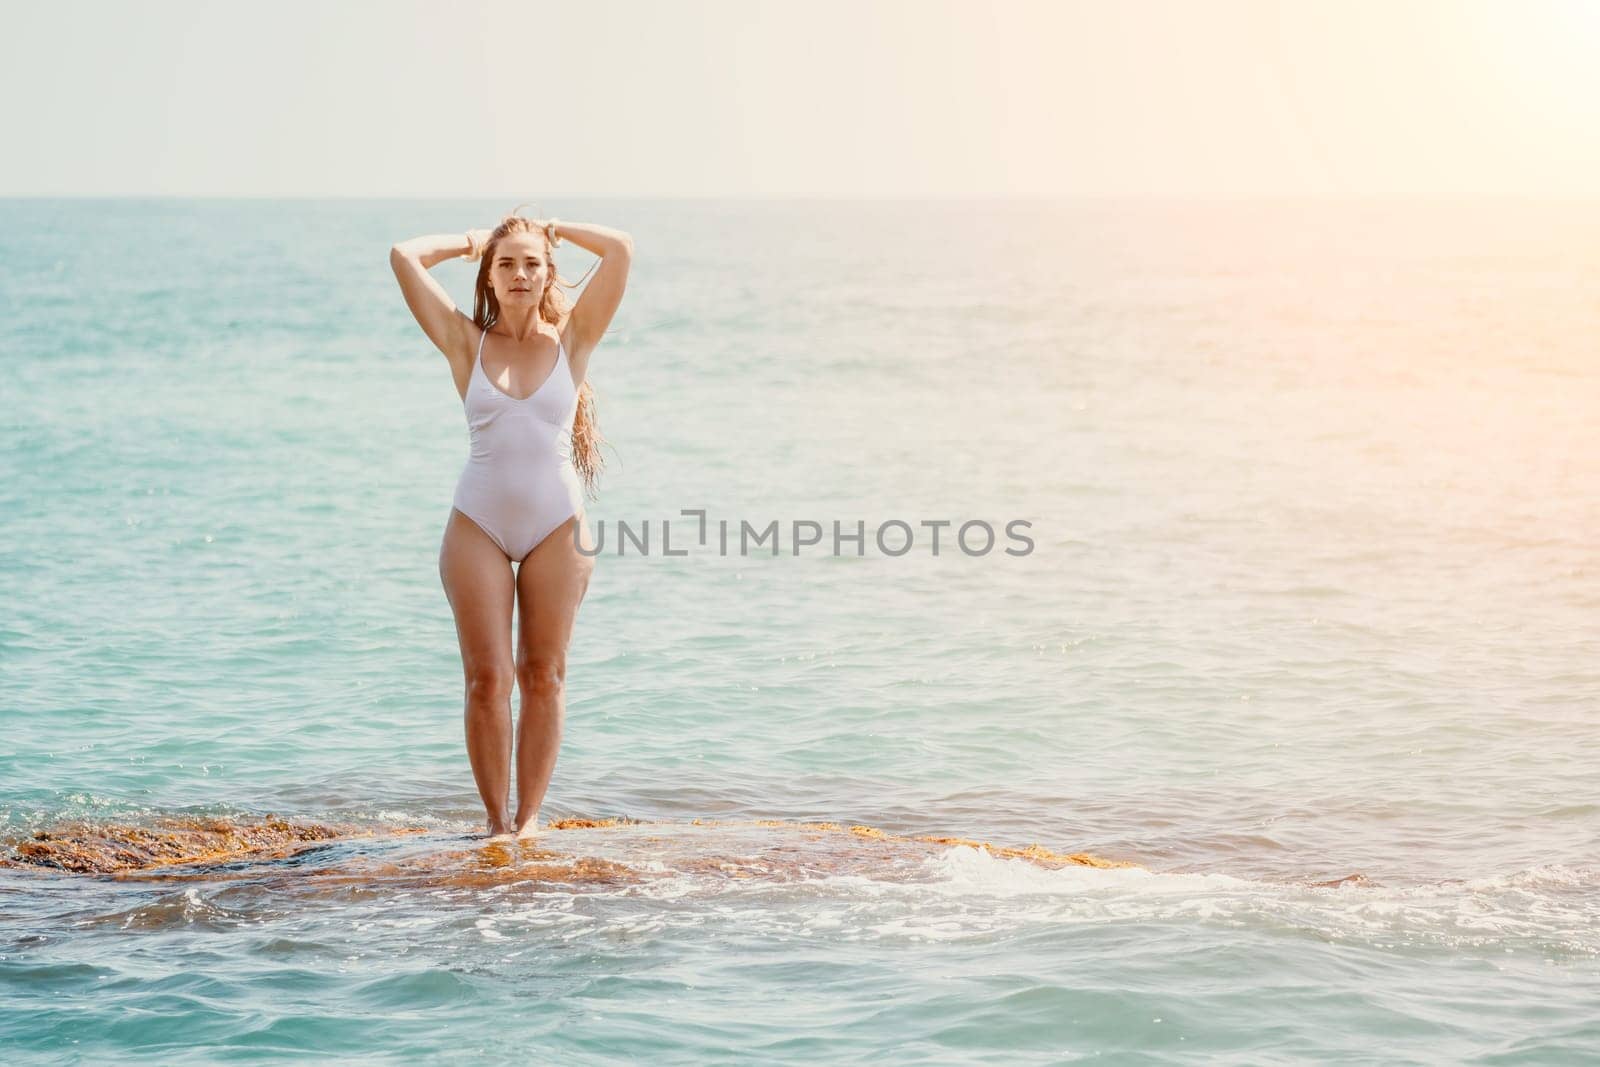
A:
(519, 365)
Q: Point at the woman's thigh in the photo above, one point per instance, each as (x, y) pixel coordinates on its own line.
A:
(551, 583)
(481, 589)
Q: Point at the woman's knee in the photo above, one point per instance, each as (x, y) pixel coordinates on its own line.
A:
(541, 673)
(489, 684)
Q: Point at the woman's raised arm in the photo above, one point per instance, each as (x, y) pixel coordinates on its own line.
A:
(598, 302)
(435, 312)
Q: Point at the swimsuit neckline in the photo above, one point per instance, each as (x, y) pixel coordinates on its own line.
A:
(560, 351)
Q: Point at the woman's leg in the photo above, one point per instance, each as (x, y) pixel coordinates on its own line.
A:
(550, 586)
(478, 582)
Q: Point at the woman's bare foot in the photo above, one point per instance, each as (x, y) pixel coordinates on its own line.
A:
(529, 830)
(500, 828)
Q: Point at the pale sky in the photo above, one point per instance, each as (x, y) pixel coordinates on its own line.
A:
(870, 98)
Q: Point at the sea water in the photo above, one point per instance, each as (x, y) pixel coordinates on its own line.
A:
(1311, 591)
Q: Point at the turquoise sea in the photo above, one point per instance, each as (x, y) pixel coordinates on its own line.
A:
(1313, 594)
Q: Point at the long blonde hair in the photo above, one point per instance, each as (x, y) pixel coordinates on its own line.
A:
(553, 308)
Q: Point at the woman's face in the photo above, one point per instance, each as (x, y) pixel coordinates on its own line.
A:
(519, 270)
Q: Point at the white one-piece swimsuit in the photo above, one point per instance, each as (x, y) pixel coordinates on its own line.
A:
(519, 484)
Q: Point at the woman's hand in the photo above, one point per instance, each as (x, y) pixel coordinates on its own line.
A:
(480, 241)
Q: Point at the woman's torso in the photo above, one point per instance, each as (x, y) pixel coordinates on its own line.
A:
(521, 426)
